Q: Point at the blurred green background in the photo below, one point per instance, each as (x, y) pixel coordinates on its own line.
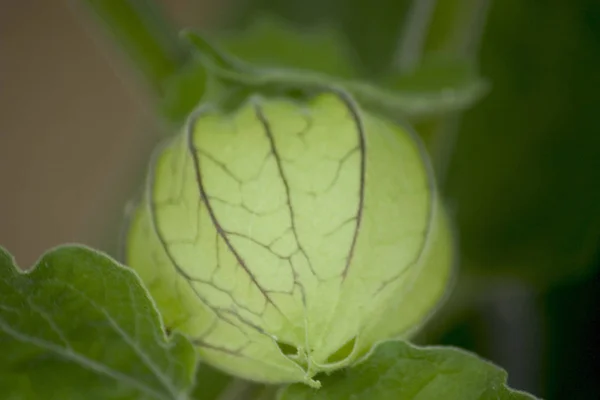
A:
(519, 171)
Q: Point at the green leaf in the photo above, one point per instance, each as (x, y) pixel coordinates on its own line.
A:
(401, 371)
(80, 324)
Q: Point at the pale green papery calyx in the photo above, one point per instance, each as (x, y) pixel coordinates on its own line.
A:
(288, 238)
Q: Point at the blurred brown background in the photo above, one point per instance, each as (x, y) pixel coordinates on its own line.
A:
(73, 129)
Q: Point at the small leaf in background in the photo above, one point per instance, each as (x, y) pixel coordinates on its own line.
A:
(371, 31)
(183, 91)
(322, 56)
(434, 73)
(455, 80)
(271, 42)
(80, 323)
(400, 371)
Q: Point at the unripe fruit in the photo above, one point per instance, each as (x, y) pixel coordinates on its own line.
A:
(287, 239)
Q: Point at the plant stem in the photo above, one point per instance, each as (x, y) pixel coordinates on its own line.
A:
(452, 29)
(414, 35)
(144, 35)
